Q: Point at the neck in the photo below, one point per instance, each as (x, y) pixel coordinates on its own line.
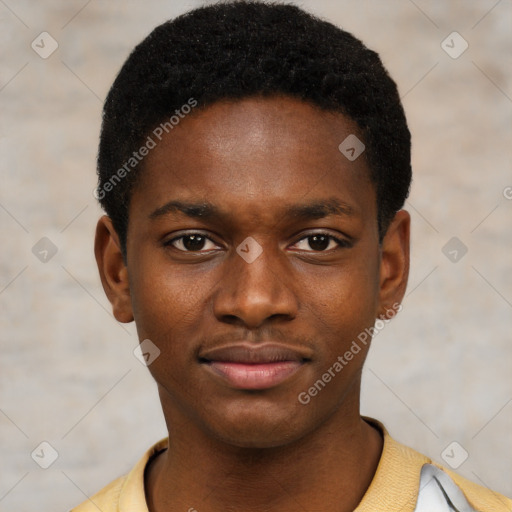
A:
(330, 468)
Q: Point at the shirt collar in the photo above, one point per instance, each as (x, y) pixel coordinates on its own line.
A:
(395, 485)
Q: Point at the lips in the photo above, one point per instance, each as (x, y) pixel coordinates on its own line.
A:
(249, 366)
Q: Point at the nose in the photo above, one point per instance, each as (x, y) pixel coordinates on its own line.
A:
(252, 292)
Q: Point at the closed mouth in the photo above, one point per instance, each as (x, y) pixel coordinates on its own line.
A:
(249, 366)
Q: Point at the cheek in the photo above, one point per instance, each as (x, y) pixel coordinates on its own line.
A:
(345, 297)
(166, 315)
(342, 310)
(167, 306)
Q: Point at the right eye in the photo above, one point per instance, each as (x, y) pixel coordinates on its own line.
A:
(190, 242)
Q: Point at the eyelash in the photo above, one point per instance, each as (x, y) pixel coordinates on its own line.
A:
(341, 242)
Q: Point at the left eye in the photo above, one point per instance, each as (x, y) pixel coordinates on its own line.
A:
(321, 242)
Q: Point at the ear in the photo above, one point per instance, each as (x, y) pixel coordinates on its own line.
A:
(394, 264)
(112, 269)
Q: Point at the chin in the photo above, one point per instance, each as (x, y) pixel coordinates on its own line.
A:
(263, 430)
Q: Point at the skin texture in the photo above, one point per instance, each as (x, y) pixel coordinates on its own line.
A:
(236, 449)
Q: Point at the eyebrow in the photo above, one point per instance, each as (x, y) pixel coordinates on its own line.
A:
(205, 210)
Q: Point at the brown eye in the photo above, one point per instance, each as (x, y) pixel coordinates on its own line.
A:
(318, 242)
(321, 242)
(193, 242)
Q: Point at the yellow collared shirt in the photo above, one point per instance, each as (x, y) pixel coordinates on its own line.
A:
(395, 486)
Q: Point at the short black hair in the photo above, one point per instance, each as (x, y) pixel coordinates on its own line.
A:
(237, 49)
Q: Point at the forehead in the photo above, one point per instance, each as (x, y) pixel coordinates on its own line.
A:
(256, 151)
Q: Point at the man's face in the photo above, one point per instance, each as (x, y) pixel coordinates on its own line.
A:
(260, 268)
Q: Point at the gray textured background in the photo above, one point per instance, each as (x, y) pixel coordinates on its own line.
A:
(440, 372)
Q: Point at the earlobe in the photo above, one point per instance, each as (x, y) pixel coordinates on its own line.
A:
(394, 264)
(112, 269)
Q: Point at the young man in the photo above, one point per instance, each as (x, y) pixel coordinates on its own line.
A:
(253, 164)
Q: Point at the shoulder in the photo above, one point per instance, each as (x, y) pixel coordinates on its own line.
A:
(126, 492)
(481, 497)
(416, 483)
(105, 500)
(447, 482)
